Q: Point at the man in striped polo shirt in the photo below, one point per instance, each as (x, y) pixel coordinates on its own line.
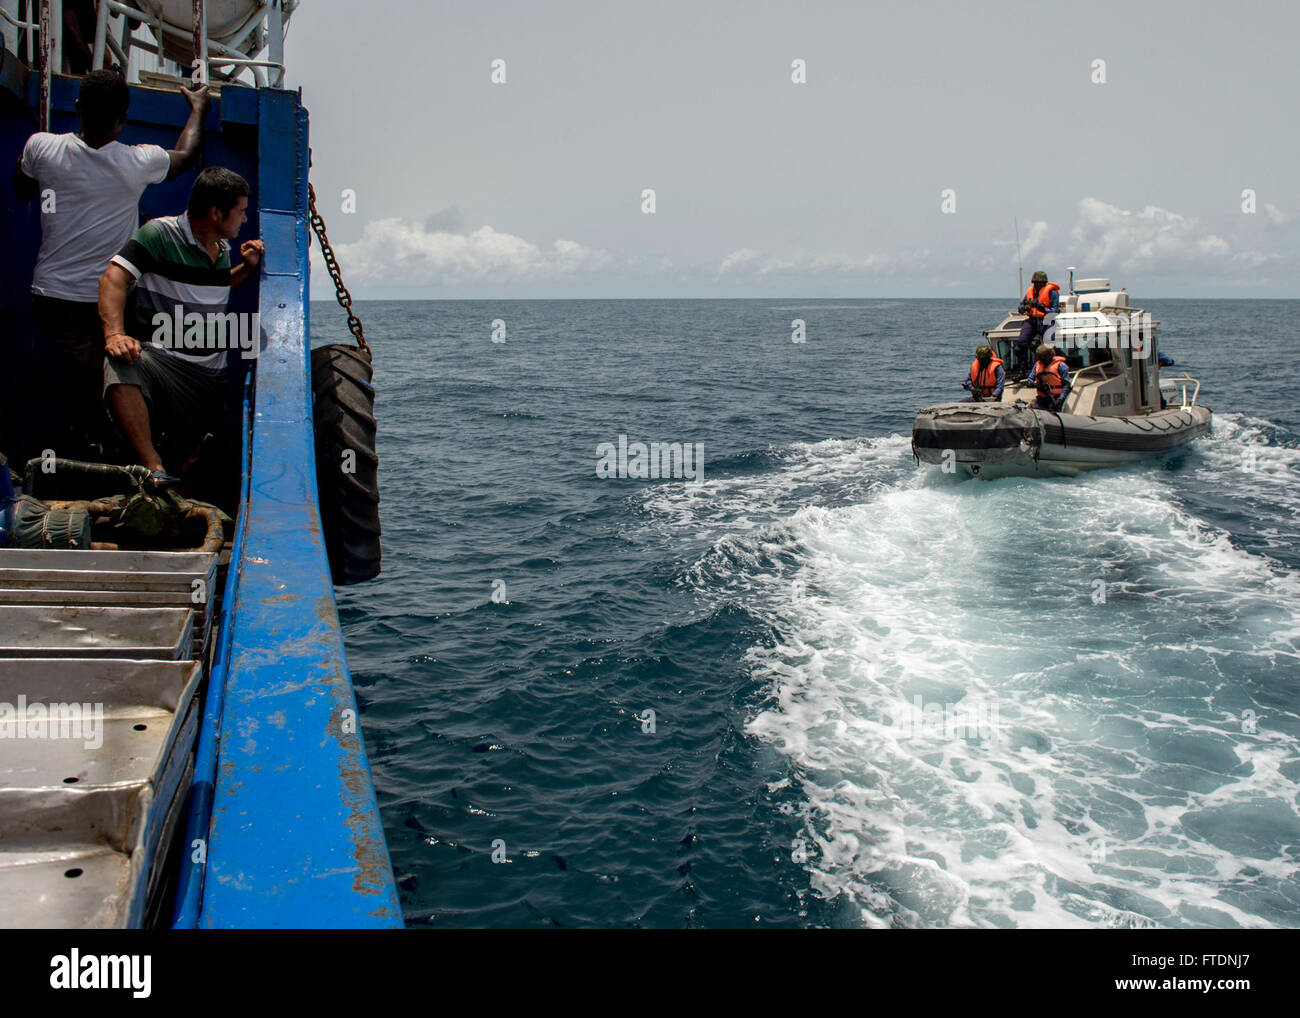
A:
(165, 370)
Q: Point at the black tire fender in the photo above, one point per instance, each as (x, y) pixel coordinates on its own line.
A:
(347, 465)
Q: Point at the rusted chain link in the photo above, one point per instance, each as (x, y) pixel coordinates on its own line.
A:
(331, 263)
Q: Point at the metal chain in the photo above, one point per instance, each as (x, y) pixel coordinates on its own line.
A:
(331, 263)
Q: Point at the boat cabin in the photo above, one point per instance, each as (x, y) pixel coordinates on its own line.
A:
(1110, 347)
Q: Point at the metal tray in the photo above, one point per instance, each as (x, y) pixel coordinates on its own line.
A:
(62, 631)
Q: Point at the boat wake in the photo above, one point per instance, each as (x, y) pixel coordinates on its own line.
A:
(1031, 703)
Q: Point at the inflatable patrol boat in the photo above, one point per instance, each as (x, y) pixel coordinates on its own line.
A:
(1116, 408)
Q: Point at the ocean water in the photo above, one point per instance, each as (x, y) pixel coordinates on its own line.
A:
(882, 696)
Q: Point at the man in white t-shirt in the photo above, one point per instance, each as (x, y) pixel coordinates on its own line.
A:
(89, 187)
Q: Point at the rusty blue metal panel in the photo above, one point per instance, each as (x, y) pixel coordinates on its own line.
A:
(295, 838)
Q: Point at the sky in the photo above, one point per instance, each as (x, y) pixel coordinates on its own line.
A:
(1154, 143)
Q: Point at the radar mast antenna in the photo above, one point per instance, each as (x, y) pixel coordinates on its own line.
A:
(1020, 268)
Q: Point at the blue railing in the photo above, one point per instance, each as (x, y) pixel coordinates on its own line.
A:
(295, 837)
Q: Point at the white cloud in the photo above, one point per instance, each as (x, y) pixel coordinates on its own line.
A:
(1278, 217)
(399, 252)
(742, 259)
(1145, 247)
(746, 260)
(1151, 240)
(1034, 239)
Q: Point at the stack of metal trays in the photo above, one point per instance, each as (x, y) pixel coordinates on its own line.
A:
(113, 579)
(101, 660)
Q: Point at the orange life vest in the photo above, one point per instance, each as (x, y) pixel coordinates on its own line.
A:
(1044, 296)
(1048, 374)
(982, 383)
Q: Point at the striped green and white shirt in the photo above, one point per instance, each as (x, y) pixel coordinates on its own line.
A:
(175, 277)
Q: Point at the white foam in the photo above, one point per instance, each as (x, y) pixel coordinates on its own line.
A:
(1118, 724)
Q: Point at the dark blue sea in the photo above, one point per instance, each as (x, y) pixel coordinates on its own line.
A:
(882, 696)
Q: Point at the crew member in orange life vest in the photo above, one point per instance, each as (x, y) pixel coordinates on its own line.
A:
(1051, 376)
(986, 376)
(1039, 301)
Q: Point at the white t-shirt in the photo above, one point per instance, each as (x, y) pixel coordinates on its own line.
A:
(90, 200)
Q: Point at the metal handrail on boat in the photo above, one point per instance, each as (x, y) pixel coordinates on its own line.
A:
(1101, 370)
(1185, 379)
(268, 17)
